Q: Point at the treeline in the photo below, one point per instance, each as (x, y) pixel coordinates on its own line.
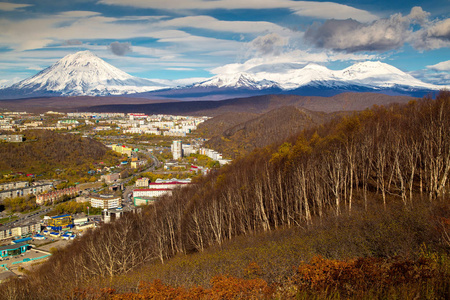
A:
(45, 152)
(386, 156)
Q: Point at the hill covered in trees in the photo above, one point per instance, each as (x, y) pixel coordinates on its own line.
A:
(251, 131)
(357, 207)
(46, 152)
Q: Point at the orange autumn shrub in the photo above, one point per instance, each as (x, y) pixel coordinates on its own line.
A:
(362, 274)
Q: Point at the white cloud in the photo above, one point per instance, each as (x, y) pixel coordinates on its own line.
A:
(180, 69)
(315, 9)
(5, 6)
(78, 14)
(330, 10)
(207, 22)
(295, 57)
(431, 76)
(442, 66)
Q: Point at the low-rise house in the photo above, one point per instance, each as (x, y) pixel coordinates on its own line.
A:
(13, 250)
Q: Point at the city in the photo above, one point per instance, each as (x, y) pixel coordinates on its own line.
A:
(162, 146)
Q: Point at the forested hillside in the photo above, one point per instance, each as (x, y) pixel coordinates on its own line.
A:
(43, 152)
(260, 131)
(382, 171)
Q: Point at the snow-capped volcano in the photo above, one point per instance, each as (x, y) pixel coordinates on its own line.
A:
(82, 73)
(380, 75)
(367, 75)
(239, 80)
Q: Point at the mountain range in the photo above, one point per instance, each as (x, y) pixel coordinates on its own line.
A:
(84, 73)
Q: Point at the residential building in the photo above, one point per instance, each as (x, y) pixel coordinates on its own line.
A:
(106, 201)
(53, 196)
(138, 163)
(26, 191)
(9, 231)
(142, 182)
(177, 149)
(110, 178)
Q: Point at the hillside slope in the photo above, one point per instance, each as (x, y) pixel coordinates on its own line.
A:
(44, 152)
(263, 130)
(394, 159)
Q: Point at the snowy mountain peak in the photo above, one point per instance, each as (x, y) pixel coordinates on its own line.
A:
(83, 73)
(238, 80)
(370, 68)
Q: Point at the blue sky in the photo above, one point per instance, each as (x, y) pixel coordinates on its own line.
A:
(177, 39)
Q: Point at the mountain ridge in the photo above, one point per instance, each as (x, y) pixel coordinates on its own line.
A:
(85, 74)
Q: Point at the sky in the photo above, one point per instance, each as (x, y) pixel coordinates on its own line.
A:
(189, 39)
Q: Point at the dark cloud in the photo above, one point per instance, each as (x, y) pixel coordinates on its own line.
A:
(440, 30)
(73, 42)
(120, 49)
(381, 35)
(352, 36)
(270, 44)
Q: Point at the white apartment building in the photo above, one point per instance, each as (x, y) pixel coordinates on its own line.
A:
(177, 149)
(106, 201)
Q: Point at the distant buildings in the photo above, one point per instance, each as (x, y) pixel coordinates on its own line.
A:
(135, 164)
(142, 182)
(110, 178)
(11, 138)
(35, 189)
(148, 195)
(122, 149)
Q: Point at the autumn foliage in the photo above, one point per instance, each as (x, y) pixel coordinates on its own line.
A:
(326, 277)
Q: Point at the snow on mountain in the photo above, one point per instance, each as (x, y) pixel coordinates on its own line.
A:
(239, 80)
(83, 73)
(380, 75)
(369, 75)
